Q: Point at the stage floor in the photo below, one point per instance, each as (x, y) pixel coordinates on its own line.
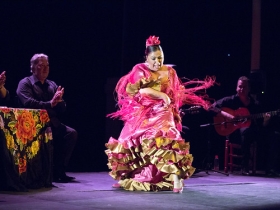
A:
(92, 190)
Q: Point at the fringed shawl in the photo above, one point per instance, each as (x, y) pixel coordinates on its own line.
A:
(130, 100)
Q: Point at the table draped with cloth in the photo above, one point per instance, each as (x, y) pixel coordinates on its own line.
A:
(26, 149)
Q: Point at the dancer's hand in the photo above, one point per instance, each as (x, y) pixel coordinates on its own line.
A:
(166, 99)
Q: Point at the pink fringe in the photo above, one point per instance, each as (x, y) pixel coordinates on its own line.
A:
(180, 93)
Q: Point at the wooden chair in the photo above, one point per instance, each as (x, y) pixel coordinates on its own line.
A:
(233, 154)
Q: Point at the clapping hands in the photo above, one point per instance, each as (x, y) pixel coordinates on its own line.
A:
(57, 96)
(2, 79)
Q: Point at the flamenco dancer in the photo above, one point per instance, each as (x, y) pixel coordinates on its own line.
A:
(150, 154)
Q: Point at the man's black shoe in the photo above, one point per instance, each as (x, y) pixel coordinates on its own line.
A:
(63, 179)
(71, 178)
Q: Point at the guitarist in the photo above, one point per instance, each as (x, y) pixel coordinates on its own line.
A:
(243, 135)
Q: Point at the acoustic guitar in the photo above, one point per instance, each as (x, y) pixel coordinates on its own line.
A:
(242, 119)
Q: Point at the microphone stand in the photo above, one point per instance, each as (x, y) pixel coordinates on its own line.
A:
(208, 168)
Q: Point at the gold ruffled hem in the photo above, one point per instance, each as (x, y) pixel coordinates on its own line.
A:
(133, 185)
(169, 156)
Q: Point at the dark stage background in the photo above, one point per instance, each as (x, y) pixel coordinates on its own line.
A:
(91, 44)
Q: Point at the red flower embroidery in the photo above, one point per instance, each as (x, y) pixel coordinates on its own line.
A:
(44, 117)
(22, 165)
(5, 110)
(25, 126)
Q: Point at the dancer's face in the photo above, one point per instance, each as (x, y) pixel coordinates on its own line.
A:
(155, 60)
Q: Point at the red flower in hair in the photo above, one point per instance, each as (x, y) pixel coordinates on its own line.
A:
(152, 40)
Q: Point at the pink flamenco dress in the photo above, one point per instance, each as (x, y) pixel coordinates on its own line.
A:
(150, 148)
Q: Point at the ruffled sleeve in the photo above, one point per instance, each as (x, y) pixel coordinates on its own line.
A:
(132, 89)
(127, 90)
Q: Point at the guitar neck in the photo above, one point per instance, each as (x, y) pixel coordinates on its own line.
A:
(261, 115)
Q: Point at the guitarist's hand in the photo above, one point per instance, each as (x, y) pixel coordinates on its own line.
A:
(227, 115)
(266, 119)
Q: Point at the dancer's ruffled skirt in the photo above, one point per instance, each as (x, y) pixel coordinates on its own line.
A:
(147, 159)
